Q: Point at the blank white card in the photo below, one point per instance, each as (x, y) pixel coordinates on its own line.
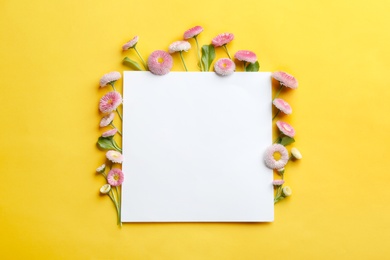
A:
(193, 146)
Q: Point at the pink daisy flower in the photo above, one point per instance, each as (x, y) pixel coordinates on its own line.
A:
(224, 67)
(285, 79)
(106, 120)
(282, 106)
(130, 44)
(110, 101)
(278, 182)
(285, 128)
(160, 62)
(222, 39)
(179, 46)
(115, 177)
(246, 56)
(269, 158)
(109, 78)
(109, 133)
(193, 32)
(114, 156)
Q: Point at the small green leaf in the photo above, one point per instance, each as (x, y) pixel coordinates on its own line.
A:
(208, 55)
(132, 64)
(253, 67)
(287, 140)
(108, 143)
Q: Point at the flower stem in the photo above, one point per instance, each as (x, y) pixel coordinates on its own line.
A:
(277, 138)
(182, 59)
(118, 195)
(197, 52)
(224, 46)
(112, 85)
(119, 114)
(244, 65)
(277, 93)
(119, 132)
(277, 113)
(111, 195)
(139, 55)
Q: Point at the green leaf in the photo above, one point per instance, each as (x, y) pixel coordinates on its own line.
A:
(287, 140)
(208, 55)
(132, 64)
(108, 143)
(253, 67)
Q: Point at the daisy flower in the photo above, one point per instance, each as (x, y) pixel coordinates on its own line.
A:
(180, 46)
(110, 102)
(105, 189)
(246, 56)
(270, 160)
(160, 62)
(285, 79)
(101, 168)
(192, 32)
(114, 156)
(296, 153)
(285, 128)
(223, 39)
(106, 120)
(115, 177)
(287, 191)
(131, 43)
(278, 182)
(282, 106)
(110, 78)
(109, 133)
(224, 67)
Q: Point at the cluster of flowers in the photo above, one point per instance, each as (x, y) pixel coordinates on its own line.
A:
(108, 105)
(160, 62)
(286, 137)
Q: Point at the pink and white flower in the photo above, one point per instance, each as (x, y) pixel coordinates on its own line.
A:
(193, 32)
(160, 62)
(282, 106)
(114, 156)
(101, 168)
(106, 120)
(246, 56)
(270, 160)
(278, 182)
(285, 79)
(130, 44)
(222, 39)
(109, 78)
(224, 67)
(109, 133)
(115, 177)
(285, 128)
(179, 46)
(110, 101)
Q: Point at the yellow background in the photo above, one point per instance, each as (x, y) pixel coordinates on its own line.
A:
(52, 55)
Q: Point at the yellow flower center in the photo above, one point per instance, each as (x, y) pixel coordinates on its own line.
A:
(160, 60)
(224, 65)
(277, 156)
(116, 177)
(110, 101)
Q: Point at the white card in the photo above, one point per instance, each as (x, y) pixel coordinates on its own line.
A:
(193, 146)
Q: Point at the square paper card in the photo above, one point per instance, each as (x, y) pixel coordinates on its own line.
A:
(193, 144)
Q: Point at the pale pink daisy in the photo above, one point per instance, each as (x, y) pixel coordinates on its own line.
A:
(285, 128)
(115, 177)
(105, 189)
(110, 101)
(246, 56)
(193, 32)
(285, 79)
(282, 106)
(160, 62)
(114, 156)
(106, 120)
(224, 67)
(109, 78)
(101, 168)
(222, 39)
(179, 46)
(109, 133)
(130, 44)
(270, 160)
(278, 182)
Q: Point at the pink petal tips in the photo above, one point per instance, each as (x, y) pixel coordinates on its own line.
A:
(179, 46)
(114, 156)
(285, 128)
(110, 102)
(282, 106)
(115, 177)
(278, 182)
(246, 56)
(285, 79)
(193, 32)
(130, 44)
(160, 62)
(109, 133)
(222, 39)
(224, 67)
(269, 158)
(106, 120)
(109, 78)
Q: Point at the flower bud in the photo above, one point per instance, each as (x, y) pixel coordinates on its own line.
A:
(287, 191)
(296, 154)
(105, 189)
